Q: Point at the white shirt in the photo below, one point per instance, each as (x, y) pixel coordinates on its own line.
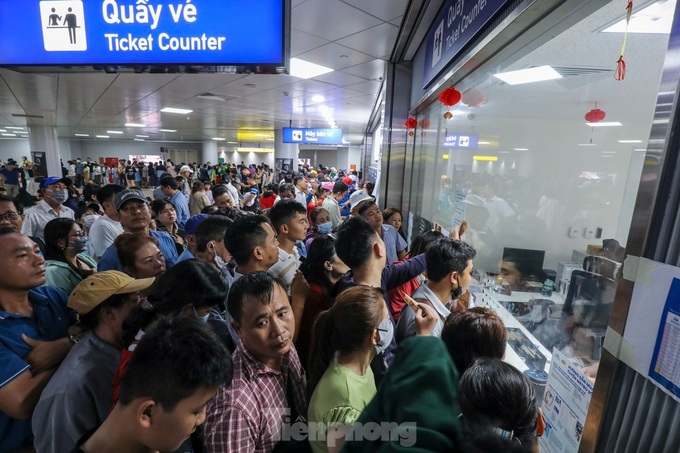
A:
(498, 209)
(331, 205)
(103, 232)
(286, 266)
(38, 216)
(234, 195)
(301, 197)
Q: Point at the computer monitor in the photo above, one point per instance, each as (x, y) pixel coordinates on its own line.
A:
(521, 265)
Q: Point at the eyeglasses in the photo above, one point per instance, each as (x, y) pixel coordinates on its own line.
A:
(9, 215)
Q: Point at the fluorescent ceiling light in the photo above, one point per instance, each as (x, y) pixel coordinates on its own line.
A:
(640, 149)
(537, 74)
(138, 139)
(174, 110)
(586, 144)
(3, 130)
(604, 124)
(13, 127)
(306, 70)
(483, 143)
(655, 18)
(167, 130)
(246, 149)
(318, 98)
(503, 152)
(9, 135)
(135, 125)
(102, 136)
(82, 135)
(608, 152)
(521, 149)
(630, 141)
(219, 139)
(233, 143)
(485, 158)
(114, 132)
(607, 155)
(142, 136)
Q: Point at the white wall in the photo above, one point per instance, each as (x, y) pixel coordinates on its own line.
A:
(14, 148)
(248, 158)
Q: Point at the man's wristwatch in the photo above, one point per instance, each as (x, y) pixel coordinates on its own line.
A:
(73, 339)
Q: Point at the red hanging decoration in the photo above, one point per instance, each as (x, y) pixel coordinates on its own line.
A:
(450, 97)
(425, 123)
(411, 123)
(595, 116)
(621, 63)
(448, 115)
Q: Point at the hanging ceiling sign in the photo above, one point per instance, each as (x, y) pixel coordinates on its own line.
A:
(133, 32)
(457, 23)
(461, 141)
(304, 136)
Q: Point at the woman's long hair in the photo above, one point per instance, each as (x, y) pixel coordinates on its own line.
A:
(344, 328)
(56, 230)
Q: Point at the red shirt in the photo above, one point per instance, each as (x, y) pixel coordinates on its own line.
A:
(317, 301)
(267, 202)
(396, 300)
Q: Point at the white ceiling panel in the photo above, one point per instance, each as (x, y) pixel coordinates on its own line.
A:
(335, 56)
(301, 42)
(331, 19)
(373, 41)
(371, 70)
(382, 9)
(340, 78)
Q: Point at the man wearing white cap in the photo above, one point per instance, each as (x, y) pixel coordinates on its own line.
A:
(77, 398)
(357, 199)
(185, 172)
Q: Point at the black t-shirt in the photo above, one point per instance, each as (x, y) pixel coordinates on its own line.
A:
(130, 172)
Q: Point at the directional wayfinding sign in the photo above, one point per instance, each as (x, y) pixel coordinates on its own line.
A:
(75, 32)
(304, 136)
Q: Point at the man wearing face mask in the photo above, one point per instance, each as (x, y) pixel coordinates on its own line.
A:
(449, 265)
(54, 193)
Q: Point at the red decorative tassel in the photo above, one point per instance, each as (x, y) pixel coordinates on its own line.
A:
(629, 11)
(620, 69)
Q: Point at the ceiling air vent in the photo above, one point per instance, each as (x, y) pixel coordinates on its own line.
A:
(208, 96)
(575, 77)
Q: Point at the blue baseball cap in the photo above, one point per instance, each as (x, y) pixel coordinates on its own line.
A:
(50, 180)
(193, 222)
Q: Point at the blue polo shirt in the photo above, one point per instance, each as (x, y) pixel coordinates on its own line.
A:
(181, 207)
(11, 177)
(51, 321)
(110, 260)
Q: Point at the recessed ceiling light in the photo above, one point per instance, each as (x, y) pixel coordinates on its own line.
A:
(306, 70)
(604, 124)
(630, 141)
(503, 152)
(483, 143)
(167, 130)
(13, 127)
(138, 139)
(9, 135)
(174, 110)
(640, 149)
(232, 143)
(102, 136)
(537, 74)
(521, 149)
(114, 132)
(586, 144)
(219, 139)
(655, 18)
(3, 130)
(135, 125)
(82, 135)
(142, 136)
(318, 98)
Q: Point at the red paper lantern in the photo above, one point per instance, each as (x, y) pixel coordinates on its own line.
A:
(425, 123)
(474, 97)
(411, 123)
(595, 116)
(450, 96)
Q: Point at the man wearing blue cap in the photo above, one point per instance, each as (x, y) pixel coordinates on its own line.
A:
(54, 193)
(189, 229)
(135, 217)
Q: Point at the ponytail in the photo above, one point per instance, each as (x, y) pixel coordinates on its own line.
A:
(321, 351)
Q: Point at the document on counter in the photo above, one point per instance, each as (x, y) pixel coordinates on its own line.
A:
(664, 368)
(565, 406)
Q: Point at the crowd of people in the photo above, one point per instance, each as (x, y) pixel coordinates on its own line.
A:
(231, 308)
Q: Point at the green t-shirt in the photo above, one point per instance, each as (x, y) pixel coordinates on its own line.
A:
(337, 400)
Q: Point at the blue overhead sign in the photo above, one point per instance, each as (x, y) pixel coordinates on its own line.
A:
(457, 23)
(130, 32)
(305, 136)
(461, 141)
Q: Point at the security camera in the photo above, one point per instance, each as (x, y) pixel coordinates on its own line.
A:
(286, 93)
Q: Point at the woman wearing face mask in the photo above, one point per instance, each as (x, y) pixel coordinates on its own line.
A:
(346, 338)
(321, 225)
(322, 270)
(67, 263)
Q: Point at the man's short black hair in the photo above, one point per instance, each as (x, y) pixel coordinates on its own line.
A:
(245, 234)
(253, 287)
(213, 228)
(108, 192)
(355, 238)
(219, 189)
(446, 255)
(297, 179)
(169, 181)
(17, 203)
(284, 211)
(178, 356)
(340, 187)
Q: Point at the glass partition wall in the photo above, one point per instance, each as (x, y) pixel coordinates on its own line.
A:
(547, 195)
